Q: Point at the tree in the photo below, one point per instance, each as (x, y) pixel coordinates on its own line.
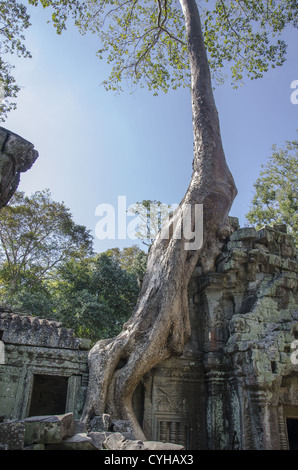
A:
(276, 190)
(147, 40)
(94, 296)
(152, 215)
(14, 19)
(36, 235)
(131, 259)
(158, 45)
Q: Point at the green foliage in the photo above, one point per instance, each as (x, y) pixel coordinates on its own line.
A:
(47, 268)
(247, 34)
(152, 215)
(13, 21)
(131, 259)
(62, 10)
(145, 41)
(276, 191)
(94, 296)
(36, 234)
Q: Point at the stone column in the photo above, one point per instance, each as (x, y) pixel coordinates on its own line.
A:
(217, 417)
(260, 417)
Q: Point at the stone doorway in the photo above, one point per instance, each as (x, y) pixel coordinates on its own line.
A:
(49, 395)
(292, 430)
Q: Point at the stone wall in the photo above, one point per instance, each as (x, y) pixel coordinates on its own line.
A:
(235, 387)
(43, 367)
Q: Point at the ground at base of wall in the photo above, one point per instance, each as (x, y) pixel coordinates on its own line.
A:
(62, 432)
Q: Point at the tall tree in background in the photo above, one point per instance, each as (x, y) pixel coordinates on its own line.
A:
(94, 296)
(36, 235)
(151, 215)
(159, 45)
(276, 191)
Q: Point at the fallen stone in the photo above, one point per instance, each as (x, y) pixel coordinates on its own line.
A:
(121, 425)
(48, 429)
(101, 423)
(98, 438)
(80, 441)
(12, 435)
(80, 427)
(154, 445)
(116, 441)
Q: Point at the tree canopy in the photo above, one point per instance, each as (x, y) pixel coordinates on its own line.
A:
(48, 268)
(276, 190)
(145, 41)
(36, 235)
(94, 296)
(14, 20)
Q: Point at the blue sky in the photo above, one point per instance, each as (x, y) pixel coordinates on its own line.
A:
(95, 146)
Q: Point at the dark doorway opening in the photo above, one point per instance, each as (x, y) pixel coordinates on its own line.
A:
(138, 402)
(292, 428)
(49, 395)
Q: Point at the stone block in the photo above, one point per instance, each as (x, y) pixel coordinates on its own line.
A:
(12, 435)
(154, 445)
(80, 441)
(98, 438)
(116, 441)
(48, 429)
(246, 233)
(121, 425)
(100, 423)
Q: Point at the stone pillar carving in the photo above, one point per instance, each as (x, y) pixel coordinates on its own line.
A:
(217, 399)
(259, 404)
(2, 353)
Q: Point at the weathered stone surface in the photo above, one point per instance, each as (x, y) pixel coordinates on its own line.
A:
(79, 441)
(12, 435)
(237, 380)
(29, 330)
(100, 423)
(116, 441)
(17, 155)
(31, 347)
(154, 445)
(121, 425)
(236, 383)
(48, 429)
(98, 438)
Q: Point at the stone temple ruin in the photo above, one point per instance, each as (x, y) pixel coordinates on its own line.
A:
(234, 387)
(43, 368)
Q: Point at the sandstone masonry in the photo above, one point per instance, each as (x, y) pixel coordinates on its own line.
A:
(236, 385)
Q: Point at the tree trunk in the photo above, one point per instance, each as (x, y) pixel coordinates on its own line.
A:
(160, 326)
